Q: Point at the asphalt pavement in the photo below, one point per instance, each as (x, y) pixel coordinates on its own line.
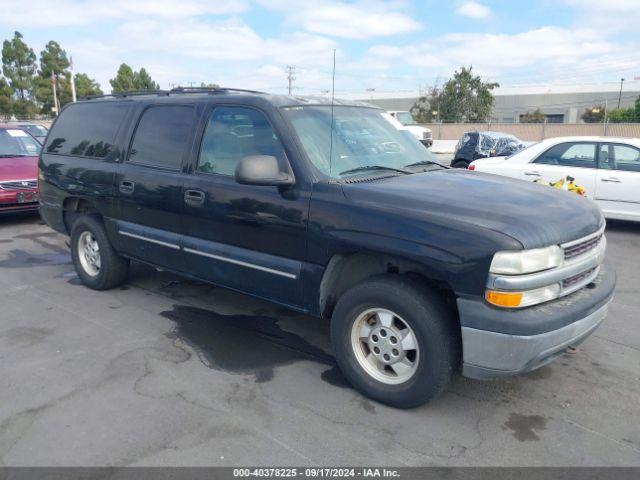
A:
(168, 371)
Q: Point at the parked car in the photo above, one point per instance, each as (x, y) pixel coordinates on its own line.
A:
(423, 134)
(475, 145)
(355, 224)
(18, 170)
(608, 168)
(37, 131)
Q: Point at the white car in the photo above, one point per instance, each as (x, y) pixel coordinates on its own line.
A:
(421, 133)
(607, 167)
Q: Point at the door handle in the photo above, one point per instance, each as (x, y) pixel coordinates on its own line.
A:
(533, 174)
(126, 186)
(194, 198)
(611, 179)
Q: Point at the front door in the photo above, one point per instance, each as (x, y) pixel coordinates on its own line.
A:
(149, 185)
(618, 182)
(245, 237)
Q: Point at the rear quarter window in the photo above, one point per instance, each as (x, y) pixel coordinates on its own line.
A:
(86, 129)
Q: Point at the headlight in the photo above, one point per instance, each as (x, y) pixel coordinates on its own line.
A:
(518, 262)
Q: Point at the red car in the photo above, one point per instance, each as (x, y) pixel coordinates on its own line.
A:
(18, 170)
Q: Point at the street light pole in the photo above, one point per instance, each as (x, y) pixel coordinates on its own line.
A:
(620, 94)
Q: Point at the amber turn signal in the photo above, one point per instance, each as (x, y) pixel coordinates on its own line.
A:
(503, 299)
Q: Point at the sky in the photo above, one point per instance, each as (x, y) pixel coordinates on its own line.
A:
(383, 45)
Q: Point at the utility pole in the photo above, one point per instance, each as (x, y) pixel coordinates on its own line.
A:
(291, 76)
(620, 94)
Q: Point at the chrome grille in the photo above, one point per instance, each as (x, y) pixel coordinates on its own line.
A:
(19, 185)
(582, 247)
(576, 279)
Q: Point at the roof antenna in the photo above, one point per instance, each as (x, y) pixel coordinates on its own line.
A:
(333, 92)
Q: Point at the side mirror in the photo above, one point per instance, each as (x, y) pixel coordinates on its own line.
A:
(262, 170)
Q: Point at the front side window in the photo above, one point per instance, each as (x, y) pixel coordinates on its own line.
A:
(86, 129)
(361, 138)
(620, 157)
(162, 136)
(570, 155)
(17, 143)
(232, 134)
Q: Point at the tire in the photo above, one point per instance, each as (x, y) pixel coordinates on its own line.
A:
(435, 328)
(111, 269)
(460, 164)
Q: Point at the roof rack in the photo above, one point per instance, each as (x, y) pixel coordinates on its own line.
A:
(210, 90)
(176, 90)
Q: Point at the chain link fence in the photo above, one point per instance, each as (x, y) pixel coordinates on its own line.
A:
(534, 132)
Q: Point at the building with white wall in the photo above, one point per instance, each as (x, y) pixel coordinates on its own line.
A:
(563, 103)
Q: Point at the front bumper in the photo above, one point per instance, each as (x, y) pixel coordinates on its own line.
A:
(427, 142)
(14, 201)
(514, 342)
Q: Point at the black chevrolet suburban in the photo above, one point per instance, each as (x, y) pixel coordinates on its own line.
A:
(327, 209)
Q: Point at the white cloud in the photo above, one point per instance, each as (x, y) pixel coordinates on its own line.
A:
(359, 20)
(540, 54)
(82, 13)
(473, 10)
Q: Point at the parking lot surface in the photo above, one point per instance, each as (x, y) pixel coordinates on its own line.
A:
(168, 371)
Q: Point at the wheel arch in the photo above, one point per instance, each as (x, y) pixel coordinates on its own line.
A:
(74, 207)
(345, 270)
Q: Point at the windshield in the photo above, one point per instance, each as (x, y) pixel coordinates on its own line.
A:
(17, 143)
(361, 138)
(405, 118)
(35, 130)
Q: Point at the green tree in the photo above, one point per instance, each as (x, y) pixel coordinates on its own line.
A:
(622, 115)
(209, 85)
(86, 86)
(426, 108)
(6, 99)
(52, 59)
(18, 65)
(594, 114)
(124, 80)
(143, 81)
(127, 79)
(464, 98)
(535, 116)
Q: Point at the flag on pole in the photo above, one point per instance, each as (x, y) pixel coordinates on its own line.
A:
(54, 80)
(73, 83)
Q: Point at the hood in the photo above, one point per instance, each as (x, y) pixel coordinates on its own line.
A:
(533, 214)
(417, 130)
(18, 168)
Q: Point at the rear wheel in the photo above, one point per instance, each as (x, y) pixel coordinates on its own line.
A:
(96, 262)
(460, 164)
(395, 340)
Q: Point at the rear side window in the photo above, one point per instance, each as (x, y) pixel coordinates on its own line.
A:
(162, 136)
(87, 129)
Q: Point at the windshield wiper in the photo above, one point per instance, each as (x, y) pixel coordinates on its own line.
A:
(375, 167)
(426, 162)
(10, 155)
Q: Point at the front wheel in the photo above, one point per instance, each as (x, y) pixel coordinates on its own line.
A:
(96, 262)
(395, 340)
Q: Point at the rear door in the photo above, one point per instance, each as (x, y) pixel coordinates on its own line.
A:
(618, 181)
(573, 159)
(150, 181)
